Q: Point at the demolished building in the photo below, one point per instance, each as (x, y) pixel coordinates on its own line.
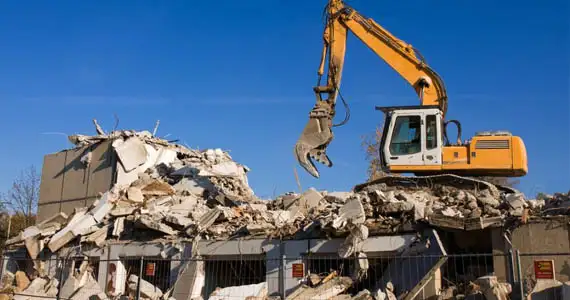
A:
(128, 198)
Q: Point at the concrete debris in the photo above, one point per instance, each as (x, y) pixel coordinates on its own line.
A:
(244, 292)
(22, 281)
(38, 288)
(185, 193)
(491, 288)
(326, 290)
(167, 191)
(147, 289)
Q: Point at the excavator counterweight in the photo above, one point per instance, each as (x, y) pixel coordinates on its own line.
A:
(414, 139)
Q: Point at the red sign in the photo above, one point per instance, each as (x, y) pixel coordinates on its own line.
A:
(150, 267)
(544, 269)
(298, 270)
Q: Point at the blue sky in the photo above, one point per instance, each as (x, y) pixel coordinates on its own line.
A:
(238, 75)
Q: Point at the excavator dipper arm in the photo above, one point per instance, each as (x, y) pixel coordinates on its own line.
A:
(402, 57)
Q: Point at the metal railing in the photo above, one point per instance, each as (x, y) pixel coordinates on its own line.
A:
(237, 277)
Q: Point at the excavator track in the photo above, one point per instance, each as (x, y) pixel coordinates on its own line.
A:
(431, 181)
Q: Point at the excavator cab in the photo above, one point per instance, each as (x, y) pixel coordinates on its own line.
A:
(414, 140)
(412, 137)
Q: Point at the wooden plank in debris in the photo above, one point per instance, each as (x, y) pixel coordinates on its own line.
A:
(448, 222)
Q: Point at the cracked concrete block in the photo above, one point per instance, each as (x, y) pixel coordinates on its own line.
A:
(35, 289)
(492, 288)
(185, 206)
(255, 229)
(8, 279)
(255, 291)
(485, 198)
(208, 219)
(34, 245)
(89, 289)
(310, 199)
(227, 168)
(517, 203)
(102, 207)
(352, 211)
(147, 289)
(118, 226)
(122, 211)
(83, 225)
(59, 218)
(150, 223)
(339, 197)
(78, 224)
(131, 152)
(165, 156)
(281, 217)
(326, 290)
(99, 236)
(395, 207)
(158, 188)
(31, 231)
(178, 220)
(22, 281)
(363, 295)
(193, 186)
(134, 194)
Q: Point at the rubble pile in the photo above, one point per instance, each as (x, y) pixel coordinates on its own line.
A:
(165, 191)
(174, 192)
(550, 205)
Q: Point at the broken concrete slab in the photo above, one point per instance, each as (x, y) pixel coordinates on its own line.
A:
(22, 281)
(122, 211)
(102, 207)
(191, 280)
(178, 220)
(310, 199)
(132, 152)
(333, 287)
(151, 223)
(134, 194)
(352, 212)
(147, 289)
(193, 186)
(255, 291)
(338, 197)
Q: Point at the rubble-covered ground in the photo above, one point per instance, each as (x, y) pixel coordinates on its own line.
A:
(172, 192)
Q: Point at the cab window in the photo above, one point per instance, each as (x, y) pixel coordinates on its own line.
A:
(406, 137)
(431, 132)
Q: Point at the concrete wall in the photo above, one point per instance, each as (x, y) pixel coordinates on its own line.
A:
(66, 183)
(538, 237)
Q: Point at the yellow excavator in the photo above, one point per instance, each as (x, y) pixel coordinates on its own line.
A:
(414, 138)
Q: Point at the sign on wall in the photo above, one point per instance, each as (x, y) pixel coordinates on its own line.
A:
(150, 267)
(298, 270)
(544, 269)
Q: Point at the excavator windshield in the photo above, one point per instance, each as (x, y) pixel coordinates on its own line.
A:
(406, 137)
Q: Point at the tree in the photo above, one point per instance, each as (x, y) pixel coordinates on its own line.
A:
(371, 145)
(22, 198)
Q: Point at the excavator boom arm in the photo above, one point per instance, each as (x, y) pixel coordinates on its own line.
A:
(402, 57)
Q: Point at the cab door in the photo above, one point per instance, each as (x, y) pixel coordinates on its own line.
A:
(404, 144)
(432, 132)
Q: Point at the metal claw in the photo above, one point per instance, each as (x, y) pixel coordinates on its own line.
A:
(313, 142)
